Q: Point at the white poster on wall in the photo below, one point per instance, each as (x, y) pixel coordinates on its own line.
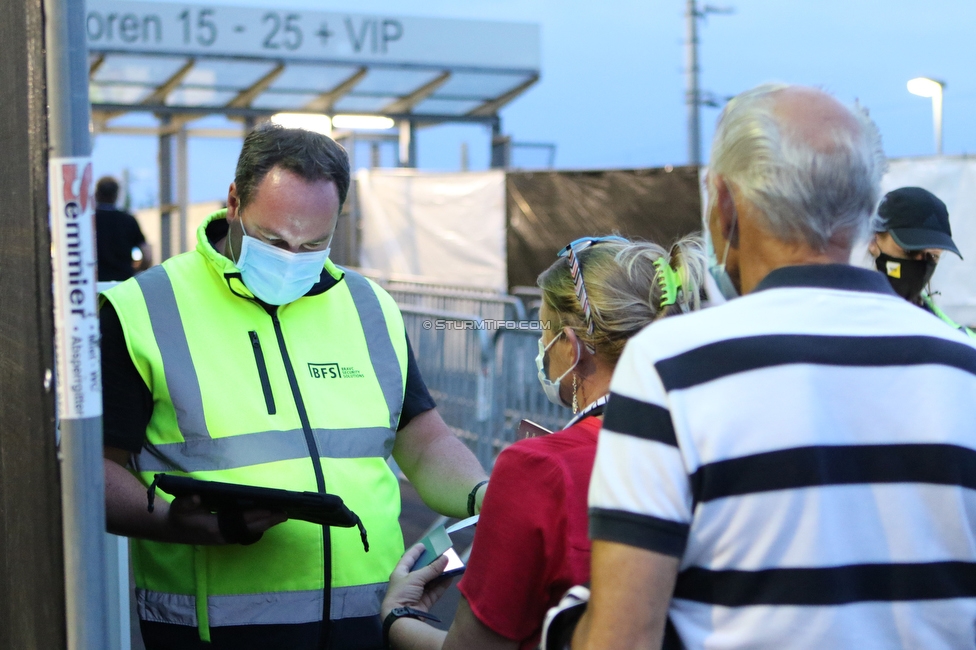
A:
(448, 227)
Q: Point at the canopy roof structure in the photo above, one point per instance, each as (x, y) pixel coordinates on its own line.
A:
(179, 63)
(244, 62)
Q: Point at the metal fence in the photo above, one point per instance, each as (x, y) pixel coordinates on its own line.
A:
(405, 281)
(456, 362)
(497, 307)
(483, 379)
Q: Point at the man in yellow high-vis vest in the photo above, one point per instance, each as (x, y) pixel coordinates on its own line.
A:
(255, 360)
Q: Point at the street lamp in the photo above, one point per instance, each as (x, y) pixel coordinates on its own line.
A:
(926, 87)
(363, 122)
(308, 121)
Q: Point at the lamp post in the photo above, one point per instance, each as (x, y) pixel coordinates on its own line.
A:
(693, 94)
(927, 87)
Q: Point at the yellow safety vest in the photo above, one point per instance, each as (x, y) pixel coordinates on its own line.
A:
(305, 398)
(931, 306)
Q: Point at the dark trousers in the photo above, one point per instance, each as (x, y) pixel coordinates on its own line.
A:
(346, 634)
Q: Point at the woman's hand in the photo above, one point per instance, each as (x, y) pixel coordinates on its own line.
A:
(419, 589)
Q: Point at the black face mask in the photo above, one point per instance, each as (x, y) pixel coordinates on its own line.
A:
(907, 277)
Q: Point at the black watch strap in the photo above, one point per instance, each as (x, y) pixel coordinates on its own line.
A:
(401, 612)
(472, 497)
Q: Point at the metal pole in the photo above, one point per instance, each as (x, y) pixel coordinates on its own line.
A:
(500, 146)
(408, 144)
(182, 182)
(937, 120)
(692, 94)
(412, 162)
(78, 358)
(403, 144)
(165, 189)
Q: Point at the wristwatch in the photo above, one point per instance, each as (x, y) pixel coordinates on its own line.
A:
(401, 612)
(472, 496)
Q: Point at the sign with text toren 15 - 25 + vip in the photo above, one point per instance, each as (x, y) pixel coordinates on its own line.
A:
(220, 30)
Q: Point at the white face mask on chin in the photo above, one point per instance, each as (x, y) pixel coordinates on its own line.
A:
(278, 276)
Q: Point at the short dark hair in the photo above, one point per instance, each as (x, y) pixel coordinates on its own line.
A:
(310, 155)
(106, 190)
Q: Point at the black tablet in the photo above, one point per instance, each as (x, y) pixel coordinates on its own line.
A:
(322, 509)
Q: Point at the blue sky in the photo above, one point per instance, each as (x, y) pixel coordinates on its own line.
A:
(612, 87)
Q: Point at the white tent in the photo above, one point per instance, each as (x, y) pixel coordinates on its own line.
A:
(446, 227)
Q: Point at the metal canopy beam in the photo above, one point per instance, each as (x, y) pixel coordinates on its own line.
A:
(244, 99)
(195, 112)
(492, 106)
(324, 102)
(156, 131)
(95, 65)
(159, 95)
(391, 55)
(248, 95)
(407, 104)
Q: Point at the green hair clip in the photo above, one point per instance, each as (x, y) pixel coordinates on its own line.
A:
(669, 280)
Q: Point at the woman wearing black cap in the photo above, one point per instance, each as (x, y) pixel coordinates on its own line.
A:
(912, 233)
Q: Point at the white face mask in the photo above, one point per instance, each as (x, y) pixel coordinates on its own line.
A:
(551, 388)
(278, 276)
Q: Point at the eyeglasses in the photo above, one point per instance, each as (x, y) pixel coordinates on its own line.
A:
(572, 249)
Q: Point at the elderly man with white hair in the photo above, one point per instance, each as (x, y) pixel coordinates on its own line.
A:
(757, 482)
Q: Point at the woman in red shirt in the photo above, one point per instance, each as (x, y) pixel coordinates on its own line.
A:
(531, 543)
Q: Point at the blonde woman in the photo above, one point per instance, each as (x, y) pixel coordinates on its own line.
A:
(531, 543)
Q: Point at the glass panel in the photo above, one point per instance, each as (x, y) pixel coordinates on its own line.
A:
(135, 119)
(471, 85)
(355, 104)
(226, 75)
(314, 78)
(394, 82)
(435, 106)
(117, 93)
(152, 70)
(199, 97)
(214, 122)
(283, 101)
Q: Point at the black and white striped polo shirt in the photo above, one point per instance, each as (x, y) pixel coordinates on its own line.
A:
(809, 452)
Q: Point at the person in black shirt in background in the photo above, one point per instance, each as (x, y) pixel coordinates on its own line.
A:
(117, 233)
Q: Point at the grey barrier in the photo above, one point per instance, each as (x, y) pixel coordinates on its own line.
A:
(408, 282)
(486, 302)
(531, 297)
(498, 307)
(518, 394)
(455, 354)
(483, 378)
(405, 281)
